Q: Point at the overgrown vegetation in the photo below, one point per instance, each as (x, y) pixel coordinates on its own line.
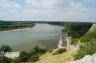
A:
(6, 60)
(79, 32)
(23, 56)
(86, 48)
(89, 36)
(38, 50)
(89, 45)
(33, 55)
(75, 41)
(76, 30)
(5, 48)
(59, 51)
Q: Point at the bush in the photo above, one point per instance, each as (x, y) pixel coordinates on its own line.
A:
(38, 50)
(4, 60)
(51, 50)
(16, 60)
(87, 48)
(75, 41)
(31, 56)
(65, 44)
(23, 56)
(5, 48)
(59, 51)
(34, 58)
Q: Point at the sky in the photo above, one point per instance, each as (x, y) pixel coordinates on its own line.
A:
(48, 10)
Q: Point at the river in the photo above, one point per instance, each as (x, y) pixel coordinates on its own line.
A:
(44, 35)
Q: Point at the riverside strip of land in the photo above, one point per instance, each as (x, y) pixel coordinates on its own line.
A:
(5, 26)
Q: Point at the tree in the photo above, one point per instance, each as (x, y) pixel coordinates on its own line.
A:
(76, 30)
(6, 48)
(23, 56)
(34, 58)
(38, 50)
(5, 60)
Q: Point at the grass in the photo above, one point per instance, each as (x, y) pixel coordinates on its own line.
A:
(61, 58)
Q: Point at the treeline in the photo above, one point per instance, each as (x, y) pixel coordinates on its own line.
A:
(76, 29)
(5, 25)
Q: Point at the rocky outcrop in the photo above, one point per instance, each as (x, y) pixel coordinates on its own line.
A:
(86, 59)
(60, 43)
(93, 27)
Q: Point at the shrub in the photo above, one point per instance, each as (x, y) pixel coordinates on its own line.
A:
(23, 56)
(5, 60)
(86, 49)
(75, 41)
(59, 51)
(38, 50)
(6, 48)
(51, 50)
(34, 58)
(65, 44)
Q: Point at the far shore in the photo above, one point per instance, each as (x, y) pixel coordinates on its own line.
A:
(15, 29)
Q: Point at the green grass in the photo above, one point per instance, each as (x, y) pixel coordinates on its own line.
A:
(89, 36)
(61, 58)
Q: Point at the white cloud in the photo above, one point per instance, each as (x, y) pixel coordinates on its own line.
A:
(64, 4)
(56, 3)
(47, 10)
(32, 2)
(7, 4)
(17, 5)
(49, 15)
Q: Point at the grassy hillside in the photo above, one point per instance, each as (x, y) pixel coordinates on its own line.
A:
(60, 58)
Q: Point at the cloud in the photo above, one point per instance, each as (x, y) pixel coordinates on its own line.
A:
(9, 5)
(32, 3)
(49, 15)
(64, 4)
(46, 10)
(56, 3)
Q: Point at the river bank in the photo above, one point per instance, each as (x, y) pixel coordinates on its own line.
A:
(17, 29)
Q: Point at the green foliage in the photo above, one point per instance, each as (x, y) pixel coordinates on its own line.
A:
(51, 50)
(75, 41)
(38, 50)
(23, 56)
(86, 49)
(34, 58)
(59, 51)
(31, 56)
(65, 44)
(76, 30)
(16, 60)
(4, 59)
(89, 36)
(5, 48)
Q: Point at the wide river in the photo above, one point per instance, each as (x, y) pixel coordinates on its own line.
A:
(45, 35)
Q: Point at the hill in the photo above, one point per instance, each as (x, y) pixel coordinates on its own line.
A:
(60, 58)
